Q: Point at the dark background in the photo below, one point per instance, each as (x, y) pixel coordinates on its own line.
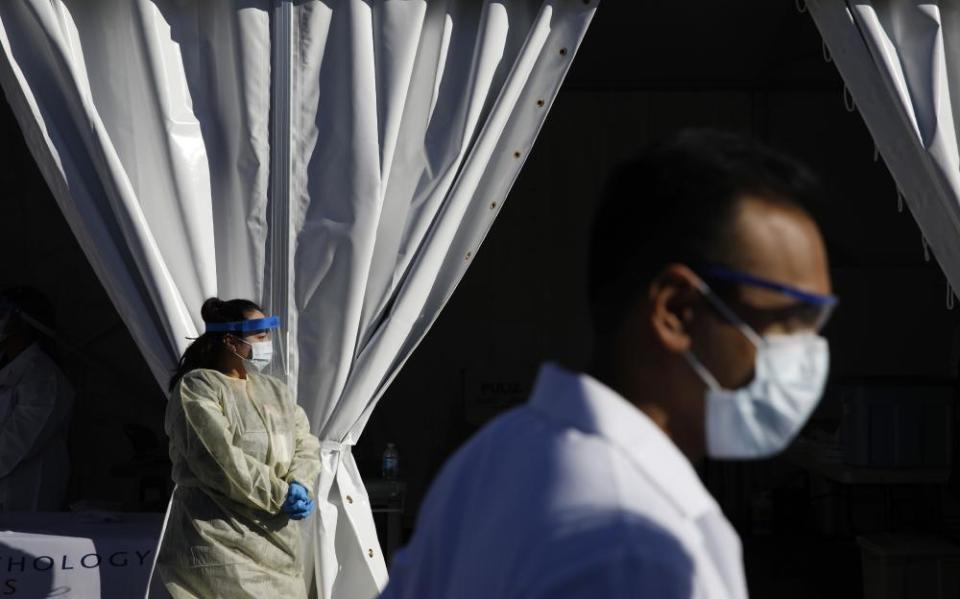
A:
(646, 69)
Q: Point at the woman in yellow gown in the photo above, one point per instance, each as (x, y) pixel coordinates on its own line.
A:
(244, 462)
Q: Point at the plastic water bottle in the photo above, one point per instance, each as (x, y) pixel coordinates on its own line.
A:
(391, 462)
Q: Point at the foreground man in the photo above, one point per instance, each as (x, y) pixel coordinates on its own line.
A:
(709, 285)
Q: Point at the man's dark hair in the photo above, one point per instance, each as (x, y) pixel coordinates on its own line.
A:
(676, 203)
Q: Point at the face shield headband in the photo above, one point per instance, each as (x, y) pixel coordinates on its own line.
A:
(244, 327)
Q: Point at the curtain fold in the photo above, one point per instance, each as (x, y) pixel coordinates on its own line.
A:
(226, 59)
(409, 122)
(124, 160)
(900, 60)
(148, 121)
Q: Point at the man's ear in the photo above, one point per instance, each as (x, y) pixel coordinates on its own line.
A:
(672, 296)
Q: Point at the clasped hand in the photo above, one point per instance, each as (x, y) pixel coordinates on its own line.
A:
(298, 504)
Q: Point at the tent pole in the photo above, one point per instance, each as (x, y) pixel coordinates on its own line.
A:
(278, 273)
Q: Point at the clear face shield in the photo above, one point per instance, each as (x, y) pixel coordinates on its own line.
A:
(261, 350)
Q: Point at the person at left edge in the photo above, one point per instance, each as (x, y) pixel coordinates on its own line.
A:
(36, 401)
(244, 462)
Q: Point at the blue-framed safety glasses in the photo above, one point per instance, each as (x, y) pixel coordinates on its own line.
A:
(244, 327)
(810, 311)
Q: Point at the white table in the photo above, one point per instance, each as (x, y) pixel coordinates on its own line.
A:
(76, 555)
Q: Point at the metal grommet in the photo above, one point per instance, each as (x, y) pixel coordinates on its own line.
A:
(517, 154)
(370, 552)
(563, 51)
(493, 205)
(540, 103)
(349, 499)
(469, 255)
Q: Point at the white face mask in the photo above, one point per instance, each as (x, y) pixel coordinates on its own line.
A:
(261, 353)
(760, 419)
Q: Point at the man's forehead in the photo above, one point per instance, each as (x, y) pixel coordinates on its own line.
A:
(778, 242)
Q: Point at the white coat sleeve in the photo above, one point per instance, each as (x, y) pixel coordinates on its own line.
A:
(34, 400)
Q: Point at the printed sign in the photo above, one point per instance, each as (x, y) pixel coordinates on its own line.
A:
(114, 561)
(487, 394)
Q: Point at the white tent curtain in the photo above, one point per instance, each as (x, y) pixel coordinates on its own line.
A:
(900, 60)
(401, 127)
(413, 120)
(102, 97)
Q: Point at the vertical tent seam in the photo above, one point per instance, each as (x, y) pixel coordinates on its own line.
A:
(281, 85)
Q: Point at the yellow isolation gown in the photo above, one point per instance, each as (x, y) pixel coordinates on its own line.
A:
(236, 445)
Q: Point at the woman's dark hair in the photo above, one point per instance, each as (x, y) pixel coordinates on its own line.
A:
(205, 349)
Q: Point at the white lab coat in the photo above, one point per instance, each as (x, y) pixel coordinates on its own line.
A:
(577, 494)
(35, 406)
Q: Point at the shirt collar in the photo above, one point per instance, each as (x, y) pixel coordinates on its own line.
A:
(581, 401)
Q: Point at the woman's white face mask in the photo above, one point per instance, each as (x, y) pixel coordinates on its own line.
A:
(261, 354)
(762, 418)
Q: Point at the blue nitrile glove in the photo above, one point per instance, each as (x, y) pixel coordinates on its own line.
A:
(298, 504)
(296, 492)
(303, 509)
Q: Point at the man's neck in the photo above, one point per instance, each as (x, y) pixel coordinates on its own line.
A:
(650, 391)
(630, 389)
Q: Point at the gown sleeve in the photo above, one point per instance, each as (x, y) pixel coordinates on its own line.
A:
(305, 466)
